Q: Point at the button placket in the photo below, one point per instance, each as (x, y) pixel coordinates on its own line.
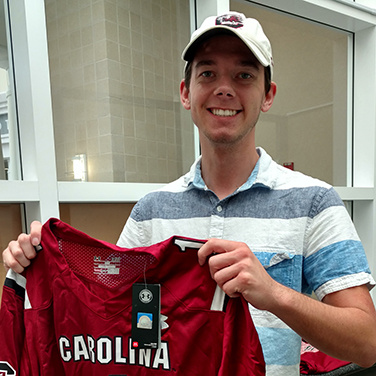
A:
(217, 221)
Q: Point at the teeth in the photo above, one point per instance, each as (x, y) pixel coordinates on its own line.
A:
(219, 112)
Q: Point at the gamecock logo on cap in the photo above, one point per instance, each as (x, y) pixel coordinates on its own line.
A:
(230, 20)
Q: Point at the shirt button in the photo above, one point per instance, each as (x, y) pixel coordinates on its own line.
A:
(219, 208)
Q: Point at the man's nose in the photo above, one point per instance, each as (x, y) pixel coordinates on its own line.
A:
(224, 88)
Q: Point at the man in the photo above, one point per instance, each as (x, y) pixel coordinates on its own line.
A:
(274, 233)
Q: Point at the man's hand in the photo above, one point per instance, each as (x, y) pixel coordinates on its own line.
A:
(237, 271)
(339, 326)
(19, 252)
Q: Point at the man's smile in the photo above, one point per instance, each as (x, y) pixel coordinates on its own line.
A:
(221, 112)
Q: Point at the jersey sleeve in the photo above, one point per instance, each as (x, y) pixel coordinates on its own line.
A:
(12, 354)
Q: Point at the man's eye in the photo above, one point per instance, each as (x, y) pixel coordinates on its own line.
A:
(245, 76)
(206, 74)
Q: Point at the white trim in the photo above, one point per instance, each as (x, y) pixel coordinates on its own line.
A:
(350, 112)
(74, 192)
(18, 191)
(350, 194)
(327, 12)
(30, 56)
(364, 107)
(357, 6)
(27, 191)
(16, 277)
(218, 300)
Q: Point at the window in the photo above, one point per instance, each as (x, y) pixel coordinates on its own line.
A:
(9, 151)
(115, 70)
(307, 126)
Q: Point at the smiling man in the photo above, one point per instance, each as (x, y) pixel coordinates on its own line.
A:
(275, 234)
(226, 93)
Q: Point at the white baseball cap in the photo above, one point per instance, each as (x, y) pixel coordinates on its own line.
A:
(248, 30)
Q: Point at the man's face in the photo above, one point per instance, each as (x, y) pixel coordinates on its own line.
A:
(226, 92)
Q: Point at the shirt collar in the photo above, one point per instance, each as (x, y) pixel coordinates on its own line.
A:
(260, 176)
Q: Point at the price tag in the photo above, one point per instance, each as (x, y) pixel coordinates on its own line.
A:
(146, 315)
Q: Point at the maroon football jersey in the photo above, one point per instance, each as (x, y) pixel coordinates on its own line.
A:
(314, 362)
(70, 313)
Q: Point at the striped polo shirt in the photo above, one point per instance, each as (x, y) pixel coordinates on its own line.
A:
(296, 225)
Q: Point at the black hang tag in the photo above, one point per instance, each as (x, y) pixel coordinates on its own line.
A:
(38, 248)
(146, 315)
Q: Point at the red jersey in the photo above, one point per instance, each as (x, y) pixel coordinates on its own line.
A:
(314, 362)
(74, 316)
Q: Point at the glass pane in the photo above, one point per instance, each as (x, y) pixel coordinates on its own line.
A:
(10, 228)
(306, 128)
(101, 221)
(9, 152)
(115, 72)
(349, 207)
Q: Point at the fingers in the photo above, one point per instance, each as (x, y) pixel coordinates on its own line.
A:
(227, 277)
(236, 269)
(14, 258)
(212, 247)
(230, 271)
(231, 251)
(228, 262)
(19, 252)
(35, 233)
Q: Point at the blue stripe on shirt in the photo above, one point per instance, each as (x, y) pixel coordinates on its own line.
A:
(256, 202)
(331, 262)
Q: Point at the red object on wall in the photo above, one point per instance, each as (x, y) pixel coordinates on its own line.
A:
(289, 165)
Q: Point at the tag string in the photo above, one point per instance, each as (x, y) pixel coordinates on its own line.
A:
(146, 286)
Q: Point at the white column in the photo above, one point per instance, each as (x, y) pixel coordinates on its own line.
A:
(33, 103)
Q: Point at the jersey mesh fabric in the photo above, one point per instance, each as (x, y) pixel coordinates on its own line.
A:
(102, 265)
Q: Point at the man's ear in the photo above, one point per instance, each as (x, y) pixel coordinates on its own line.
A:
(184, 95)
(269, 98)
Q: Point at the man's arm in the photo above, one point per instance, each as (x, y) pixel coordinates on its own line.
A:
(343, 325)
(19, 252)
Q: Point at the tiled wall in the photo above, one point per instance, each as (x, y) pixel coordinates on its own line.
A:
(115, 72)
